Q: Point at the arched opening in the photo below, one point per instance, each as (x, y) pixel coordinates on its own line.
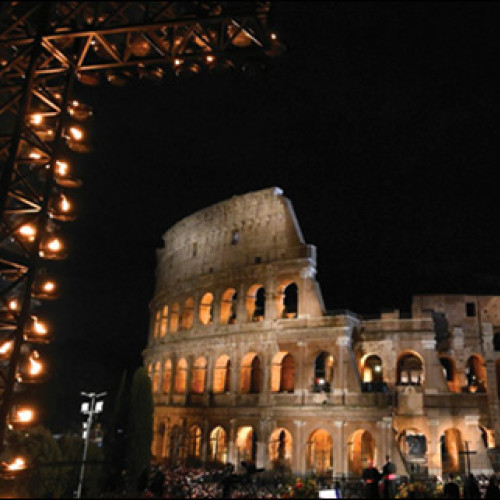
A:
(174, 318)
(156, 323)
(497, 368)
(361, 449)
(475, 374)
(283, 373)
(256, 303)
(181, 376)
(164, 321)
(410, 370)
(246, 444)
(451, 446)
(496, 341)
(413, 446)
(207, 309)
(159, 440)
(187, 314)
(319, 452)
(222, 375)
(156, 377)
(199, 375)
(178, 444)
(194, 449)
(218, 445)
(323, 372)
(228, 307)
(250, 374)
(288, 301)
(167, 376)
(280, 448)
(450, 373)
(373, 375)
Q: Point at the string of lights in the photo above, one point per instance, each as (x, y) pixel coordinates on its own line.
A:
(45, 49)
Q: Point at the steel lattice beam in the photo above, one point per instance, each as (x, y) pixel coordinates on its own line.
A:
(44, 47)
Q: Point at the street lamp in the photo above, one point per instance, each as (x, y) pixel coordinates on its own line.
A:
(89, 408)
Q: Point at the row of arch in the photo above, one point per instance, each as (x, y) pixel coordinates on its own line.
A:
(174, 318)
(179, 444)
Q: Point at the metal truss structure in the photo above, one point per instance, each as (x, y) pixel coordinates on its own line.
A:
(44, 48)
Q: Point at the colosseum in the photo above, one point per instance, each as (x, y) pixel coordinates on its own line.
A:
(248, 367)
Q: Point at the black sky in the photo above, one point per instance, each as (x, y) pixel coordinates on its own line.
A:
(380, 124)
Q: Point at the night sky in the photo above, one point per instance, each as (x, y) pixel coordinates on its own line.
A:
(380, 123)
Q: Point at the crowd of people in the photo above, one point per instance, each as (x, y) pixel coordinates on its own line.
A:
(223, 482)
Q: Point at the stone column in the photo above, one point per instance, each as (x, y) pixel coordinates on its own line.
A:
(271, 311)
(299, 448)
(261, 459)
(381, 443)
(434, 381)
(343, 358)
(265, 383)
(389, 442)
(479, 462)
(301, 385)
(434, 448)
(189, 376)
(241, 306)
(205, 441)
(339, 449)
(231, 452)
(216, 307)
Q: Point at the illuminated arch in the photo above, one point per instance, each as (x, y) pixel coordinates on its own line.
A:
(164, 321)
(475, 373)
(361, 450)
(319, 452)
(246, 444)
(222, 375)
(218, 445)
(283, 372)
(167, 376)
(288, 300)
(324, 364)
(413, 446)
(194, 447)
(174, 318)
(199, 375)
(187, 314)
(156, 323)
(250, 374)
(206, 312)
(256, 303)
(449, 372)
(410, 368)
(280, 447)
(228, 307)
(181, 376)
(155, 383)
(451, 445)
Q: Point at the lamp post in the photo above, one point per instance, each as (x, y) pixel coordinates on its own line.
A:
(89, 408)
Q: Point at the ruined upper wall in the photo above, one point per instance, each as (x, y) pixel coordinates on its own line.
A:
(257, 227)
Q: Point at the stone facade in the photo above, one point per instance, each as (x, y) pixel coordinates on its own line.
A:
(248, 366)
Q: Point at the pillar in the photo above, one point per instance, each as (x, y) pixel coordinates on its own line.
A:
(434, 381)
(299, 447)
(205, 440)
(434, 448)
(339, 449)
(231, 452)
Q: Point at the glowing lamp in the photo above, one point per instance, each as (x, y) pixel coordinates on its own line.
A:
(21, 417)
(13, 304)
(36, 119)
(32, 371)
(177, 62)
(61, 208)
(37, 332)
(79, 111)
(27, 232)
(10, 470)
(6, 350)
(210, 59)
(75, 140)
(45, 289)
(63, 175)
(139, 46)
(76, 133)
(52, 248)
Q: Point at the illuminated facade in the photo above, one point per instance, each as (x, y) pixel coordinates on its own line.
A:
(247, 365)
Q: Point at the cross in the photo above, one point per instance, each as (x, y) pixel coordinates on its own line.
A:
(467, 453)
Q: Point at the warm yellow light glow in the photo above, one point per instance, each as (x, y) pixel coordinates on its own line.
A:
(75, 103)
(13, 305)
(62, 168)
(39, 327)
(49, 286)
(274, 36)
(210, 59)
(64, 204)
(27, 231)
(76, 133)
(37, 119)
(25, 415)
(34, 155)
(177, 62)
(6, 347)
(35, 366)
(17, 464)
(54, 244)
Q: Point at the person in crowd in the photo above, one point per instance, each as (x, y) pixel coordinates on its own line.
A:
(389, 478)
(492, 491)
(371, 477)
(451, 489)
(471, 487)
